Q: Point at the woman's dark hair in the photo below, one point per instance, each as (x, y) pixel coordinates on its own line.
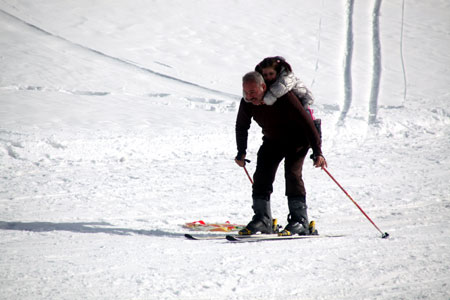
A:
(275, 62)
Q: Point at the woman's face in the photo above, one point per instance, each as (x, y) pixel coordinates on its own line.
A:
(269, 75)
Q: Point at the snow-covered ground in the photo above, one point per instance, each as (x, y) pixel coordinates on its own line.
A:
(117, 126)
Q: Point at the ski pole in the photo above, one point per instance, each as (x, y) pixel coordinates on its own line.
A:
(246, 172)
(383, 235)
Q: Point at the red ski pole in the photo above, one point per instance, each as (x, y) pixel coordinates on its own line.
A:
(383, 235)
(246, 172)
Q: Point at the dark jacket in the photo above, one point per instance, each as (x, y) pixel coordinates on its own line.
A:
(286, 122)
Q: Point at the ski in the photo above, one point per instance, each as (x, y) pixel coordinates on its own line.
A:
(274, 237)
(254, 237)
(204, 237)
(259, 237)
(198, 237)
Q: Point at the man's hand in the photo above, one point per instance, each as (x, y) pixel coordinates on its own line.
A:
(320, 162)
(240, 161)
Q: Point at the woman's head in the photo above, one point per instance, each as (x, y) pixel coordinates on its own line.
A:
(271, 67)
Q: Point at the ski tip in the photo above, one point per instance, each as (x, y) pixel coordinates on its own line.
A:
(232, 238)
(189, 236)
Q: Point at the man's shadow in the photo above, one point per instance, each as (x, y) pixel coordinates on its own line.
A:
(82, 227)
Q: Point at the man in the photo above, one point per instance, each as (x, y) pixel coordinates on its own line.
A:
(288, 133)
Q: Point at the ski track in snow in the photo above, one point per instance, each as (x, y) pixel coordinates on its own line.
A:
(119, 60)
(199, 96)
(97, 175)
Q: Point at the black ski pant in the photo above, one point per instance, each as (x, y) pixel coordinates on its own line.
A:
(270, 155)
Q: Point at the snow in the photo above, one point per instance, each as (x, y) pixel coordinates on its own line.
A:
(117, 126)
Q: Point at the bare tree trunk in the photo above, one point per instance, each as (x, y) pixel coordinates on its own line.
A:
(376, 72)
(348, 62)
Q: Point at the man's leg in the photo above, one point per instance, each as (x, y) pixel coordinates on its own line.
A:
(293, 167)
(269, 157)
(296, 194)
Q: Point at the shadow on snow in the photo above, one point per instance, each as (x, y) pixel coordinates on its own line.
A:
(82, 227)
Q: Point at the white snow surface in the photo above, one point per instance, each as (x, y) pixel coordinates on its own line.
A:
(117, 126)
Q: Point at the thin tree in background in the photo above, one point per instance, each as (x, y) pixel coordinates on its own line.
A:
(348, 62)
(376, 72)
(405, 82)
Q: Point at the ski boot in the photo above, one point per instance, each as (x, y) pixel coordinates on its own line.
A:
(262, 220)
(298, 219)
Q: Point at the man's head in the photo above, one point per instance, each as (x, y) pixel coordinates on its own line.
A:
(254, 88)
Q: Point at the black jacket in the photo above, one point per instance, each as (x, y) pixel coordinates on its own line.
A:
(286, 122)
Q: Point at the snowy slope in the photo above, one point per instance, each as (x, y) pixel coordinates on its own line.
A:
(117, 125)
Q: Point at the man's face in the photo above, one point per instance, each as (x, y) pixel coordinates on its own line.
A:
(254, 92)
